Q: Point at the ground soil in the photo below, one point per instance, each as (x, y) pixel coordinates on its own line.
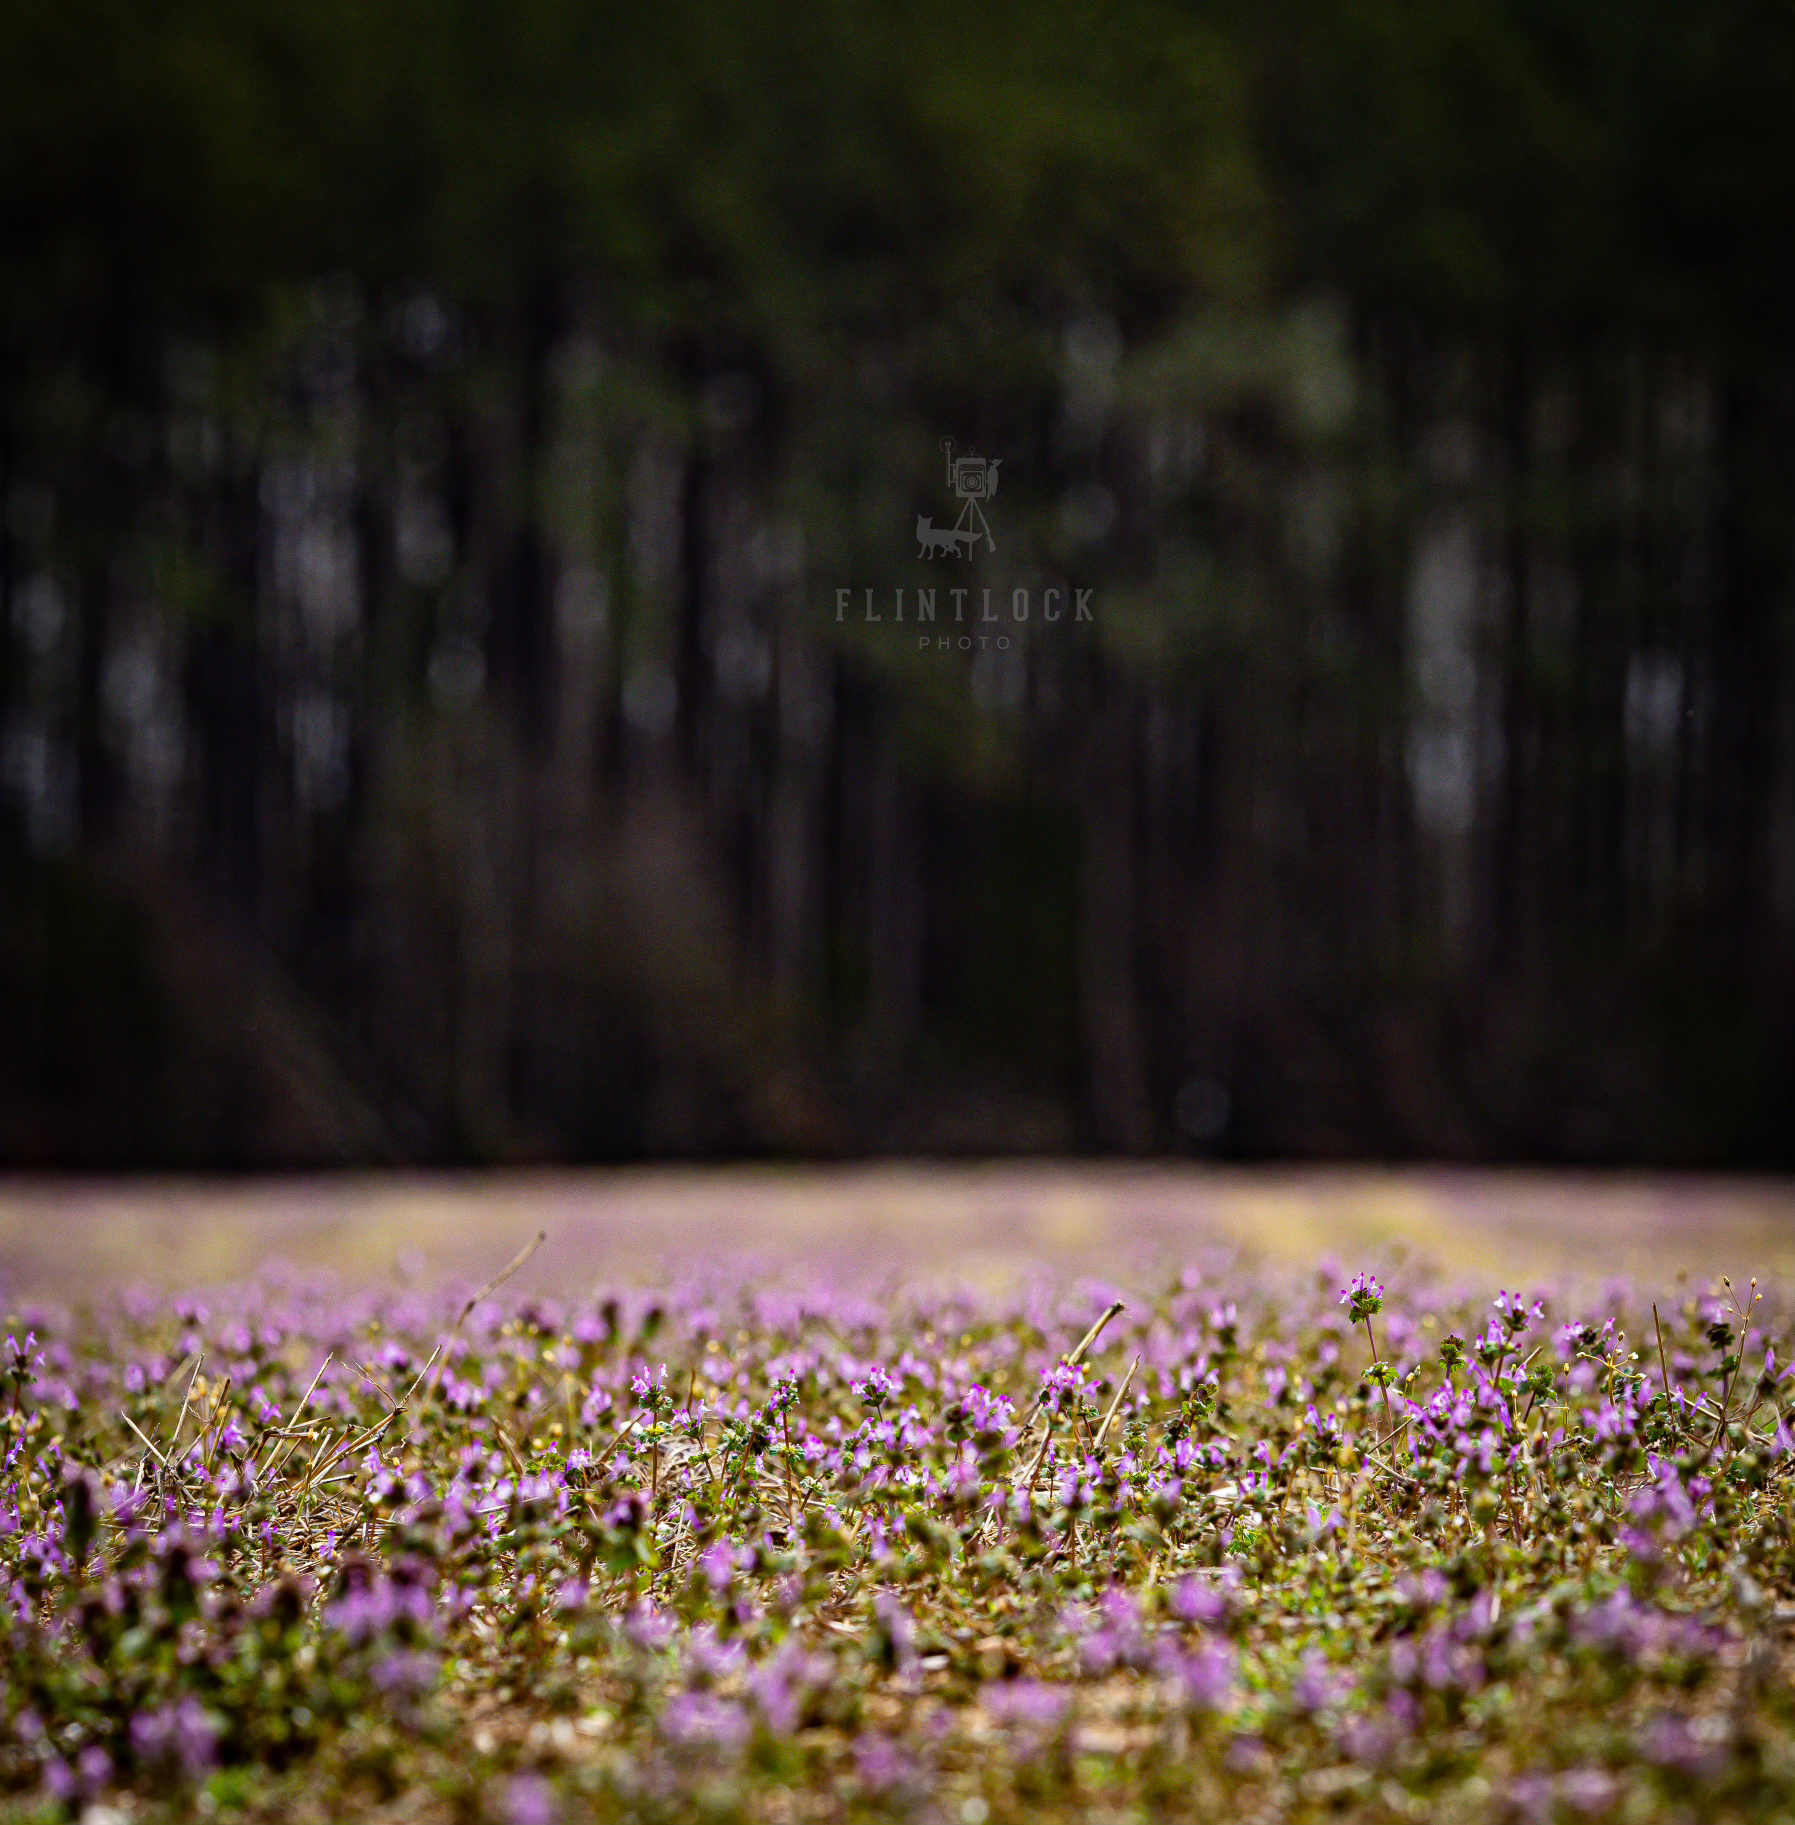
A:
(64, 1238)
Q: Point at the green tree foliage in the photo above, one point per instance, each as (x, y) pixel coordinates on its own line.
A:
(432, 437)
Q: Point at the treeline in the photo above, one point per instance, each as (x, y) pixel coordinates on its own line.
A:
(433, 440)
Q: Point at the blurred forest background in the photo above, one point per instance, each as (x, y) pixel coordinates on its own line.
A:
(432, 437)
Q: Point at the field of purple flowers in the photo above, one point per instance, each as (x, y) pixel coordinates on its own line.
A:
(757, 1547)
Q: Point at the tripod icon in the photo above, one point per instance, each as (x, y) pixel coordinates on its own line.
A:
(973, 479)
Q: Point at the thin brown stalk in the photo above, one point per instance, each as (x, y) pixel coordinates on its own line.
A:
(350, 1442)
(1751, 1412)
(1389, 1468)
(181, 1419)
(313, 1389)
(1034, 1470)
(380, 1387)
(604, 1457)
(324, 1461)
(504, 1274)
(157, 1455)
(1377, 1362)
(1109, 1417)
(207, 1430)
(1080, 1436)
(1076, 1356)
(293, 1440)
(1070, 1360)
(425, 1370)
(791, 1500)
(492, 1286)
(511, 1451)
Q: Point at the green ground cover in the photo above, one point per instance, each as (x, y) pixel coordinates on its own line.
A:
(781, 1546)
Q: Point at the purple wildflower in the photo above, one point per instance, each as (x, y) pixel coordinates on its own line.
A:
(702, 1722)
(178, 1736)
(530, 1800)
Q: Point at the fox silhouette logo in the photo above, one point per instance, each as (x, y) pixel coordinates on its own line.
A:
(973, 479)
(934, 541)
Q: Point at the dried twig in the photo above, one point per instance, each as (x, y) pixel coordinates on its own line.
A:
(604, 1457)
(1103, 1430)
(313, 1389)
(212, 1419)
(511, 1450)
(181, 1419)
(492, 1286)
(1072, 1360)
(380, 1387)
(157, 1455)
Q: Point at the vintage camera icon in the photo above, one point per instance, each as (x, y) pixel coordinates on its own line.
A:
(972, 477)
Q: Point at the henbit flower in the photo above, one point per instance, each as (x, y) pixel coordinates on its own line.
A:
(882, 1765)
(1204, 1678)
(701, 1721)
(896, 1630)
(530, 1800)
(650, 1627)
(719, 1562)
(1196, 1600)
(778, 1684)
(406, 1673)
(1027, 1704)
(180, 1735)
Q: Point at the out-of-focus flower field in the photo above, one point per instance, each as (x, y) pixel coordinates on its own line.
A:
(1216, 1541)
